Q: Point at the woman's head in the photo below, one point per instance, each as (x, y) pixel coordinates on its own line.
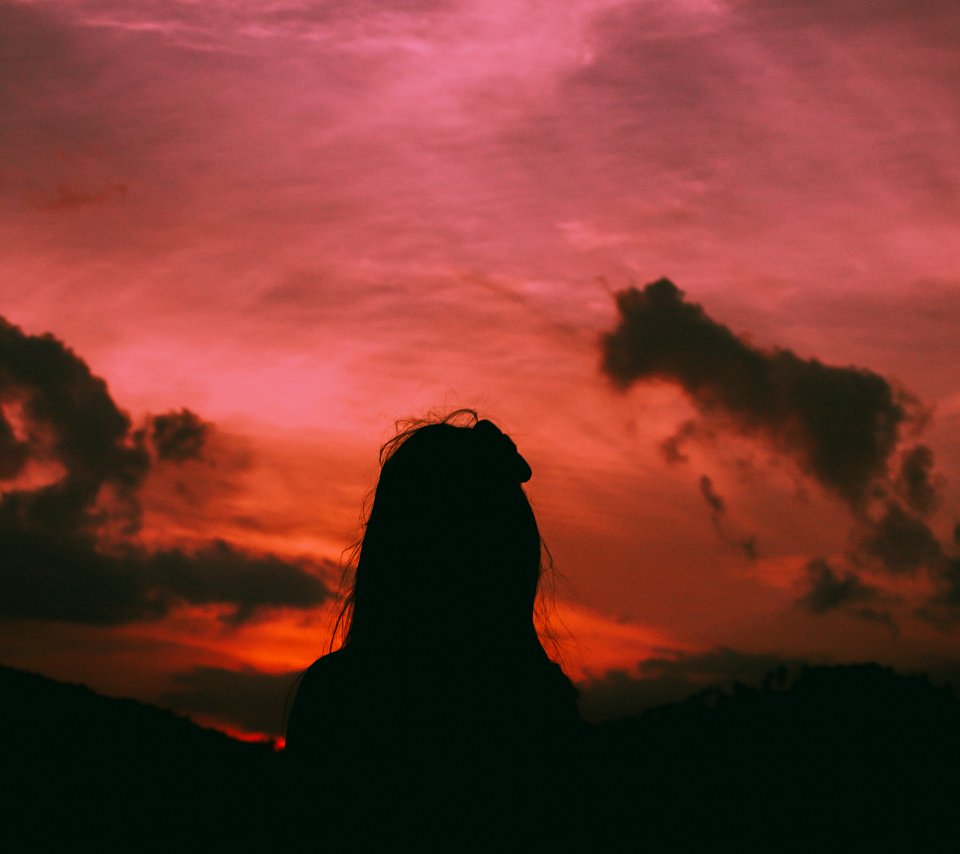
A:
(451, 548)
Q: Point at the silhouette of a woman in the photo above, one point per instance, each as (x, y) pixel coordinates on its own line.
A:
(441, 713)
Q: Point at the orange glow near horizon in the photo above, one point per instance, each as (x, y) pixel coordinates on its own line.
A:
(592, 644)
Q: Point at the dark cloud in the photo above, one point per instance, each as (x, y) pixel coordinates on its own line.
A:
(179, 435)
(871, 615)
(714, 501)
(672, 446)
(14, 453)
(676, 677)
(689, 430)
(220, 573)
(718, 510)
(830, 591)
(671, 679)
(901, 542)
(69, 418)
(65, 547)
(896, 542)
(720, 664)
(914, 481)
(943, 609)
(840, 425)
(71, 578)
(248, 699)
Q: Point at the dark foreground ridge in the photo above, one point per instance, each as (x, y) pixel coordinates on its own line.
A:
(122, 774)
(856, 753)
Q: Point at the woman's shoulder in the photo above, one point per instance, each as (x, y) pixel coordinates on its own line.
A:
(317, 705)
(327, 666)
(327, 676)
(342, 678)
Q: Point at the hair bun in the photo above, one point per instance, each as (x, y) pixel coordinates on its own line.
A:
(504, 450)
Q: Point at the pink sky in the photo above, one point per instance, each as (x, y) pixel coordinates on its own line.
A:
(303, 221)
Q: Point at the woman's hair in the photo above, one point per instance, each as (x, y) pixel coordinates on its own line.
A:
(450, 549)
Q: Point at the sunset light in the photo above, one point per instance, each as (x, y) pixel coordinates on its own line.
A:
(698, 259)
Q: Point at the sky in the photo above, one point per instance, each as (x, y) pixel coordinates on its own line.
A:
(698, 258)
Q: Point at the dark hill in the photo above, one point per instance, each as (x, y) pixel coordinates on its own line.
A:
(835, 757)
(123, 774)
(856, 753)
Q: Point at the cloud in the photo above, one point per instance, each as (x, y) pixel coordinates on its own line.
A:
(179, 435)
(718, 511)
(220, 573)
(829, 591)
(914, 481)
(900, 544)
(70, 578)
(662, 680)
(672, 446)
(871, 615)
(14, 453)
(67, 550)
(66, 416)
(943, 609)
(840, 425)
(900, 541)
(714, 501)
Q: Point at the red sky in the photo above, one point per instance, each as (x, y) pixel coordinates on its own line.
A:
(302, 221)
